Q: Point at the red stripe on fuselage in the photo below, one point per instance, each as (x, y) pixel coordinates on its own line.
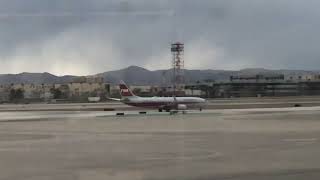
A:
(149, 104)
(155, 104)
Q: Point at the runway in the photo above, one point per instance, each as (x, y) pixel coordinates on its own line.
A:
(242, 144)
(225, 103)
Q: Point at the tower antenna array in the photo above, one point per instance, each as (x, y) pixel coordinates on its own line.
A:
(177, 50)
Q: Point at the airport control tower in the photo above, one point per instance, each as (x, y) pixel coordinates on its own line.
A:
(177, 50)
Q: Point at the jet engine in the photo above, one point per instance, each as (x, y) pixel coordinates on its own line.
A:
(182, 107)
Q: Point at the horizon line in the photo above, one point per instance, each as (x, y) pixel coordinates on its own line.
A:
(249, 68)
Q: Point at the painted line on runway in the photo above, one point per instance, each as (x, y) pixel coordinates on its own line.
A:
(306, 139)
(136, 114)
(303, 141)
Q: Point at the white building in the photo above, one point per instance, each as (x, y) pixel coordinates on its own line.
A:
(194, 92)
(303, 78)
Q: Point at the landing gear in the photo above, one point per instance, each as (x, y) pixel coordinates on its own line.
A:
(162, 109)
(172, 112)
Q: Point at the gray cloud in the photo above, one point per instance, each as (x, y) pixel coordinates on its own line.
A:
(86, 37)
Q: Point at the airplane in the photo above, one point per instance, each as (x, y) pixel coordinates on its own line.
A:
(161, 103)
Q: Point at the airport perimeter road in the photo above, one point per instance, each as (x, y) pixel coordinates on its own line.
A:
(221, 145)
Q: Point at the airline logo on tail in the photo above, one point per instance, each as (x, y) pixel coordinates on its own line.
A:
(124, 90)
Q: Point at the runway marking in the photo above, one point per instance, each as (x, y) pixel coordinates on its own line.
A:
(211, 155)
(305, 140)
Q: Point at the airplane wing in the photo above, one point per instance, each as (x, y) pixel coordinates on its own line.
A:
(114, 99)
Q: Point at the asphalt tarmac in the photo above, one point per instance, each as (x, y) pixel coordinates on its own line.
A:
(243, 144)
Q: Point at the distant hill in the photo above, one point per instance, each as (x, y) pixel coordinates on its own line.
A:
(140, 76)
(35, 78)
(132, 75)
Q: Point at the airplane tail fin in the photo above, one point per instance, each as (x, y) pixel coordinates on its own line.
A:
(125, 91)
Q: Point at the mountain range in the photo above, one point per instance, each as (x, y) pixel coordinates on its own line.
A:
(140, 76)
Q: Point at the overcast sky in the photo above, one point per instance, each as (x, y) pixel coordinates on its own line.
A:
(84, 37)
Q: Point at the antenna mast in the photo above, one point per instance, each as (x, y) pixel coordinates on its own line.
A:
(177, 50)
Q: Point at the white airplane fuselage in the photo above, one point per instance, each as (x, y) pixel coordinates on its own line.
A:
(161, 103)
(164, 102)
